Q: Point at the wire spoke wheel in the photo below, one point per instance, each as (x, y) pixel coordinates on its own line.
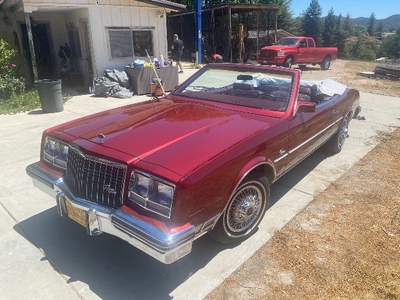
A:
(336, 142)
(343, 133)
(244, 208)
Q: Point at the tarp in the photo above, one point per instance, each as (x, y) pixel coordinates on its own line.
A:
(114, 83)
(327, 87)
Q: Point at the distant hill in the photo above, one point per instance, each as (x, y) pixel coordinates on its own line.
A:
(392, 22)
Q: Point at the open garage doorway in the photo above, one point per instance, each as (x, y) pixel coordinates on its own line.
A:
(43, 51)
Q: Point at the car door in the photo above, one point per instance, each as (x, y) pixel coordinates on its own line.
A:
(307, 131)
(302, 52)
(312, 51)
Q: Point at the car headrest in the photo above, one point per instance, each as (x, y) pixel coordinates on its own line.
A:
(242, 86)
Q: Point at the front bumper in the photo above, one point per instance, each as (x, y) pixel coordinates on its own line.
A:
(163, 246)
(270, 60)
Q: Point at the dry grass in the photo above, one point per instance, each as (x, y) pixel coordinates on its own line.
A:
(346, 72)
(346, 243)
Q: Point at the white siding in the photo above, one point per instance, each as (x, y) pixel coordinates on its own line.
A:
(127, 17)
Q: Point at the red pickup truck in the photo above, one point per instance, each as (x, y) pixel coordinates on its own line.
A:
(298, 50)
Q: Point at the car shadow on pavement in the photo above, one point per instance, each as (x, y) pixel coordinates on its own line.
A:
(112, 268)
(284, 184)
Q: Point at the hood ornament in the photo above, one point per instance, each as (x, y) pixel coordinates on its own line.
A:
(101, 137)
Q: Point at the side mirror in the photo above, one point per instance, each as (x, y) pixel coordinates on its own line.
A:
(305, 107)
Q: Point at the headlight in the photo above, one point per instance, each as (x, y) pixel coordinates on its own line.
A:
(280, 53)
(152, 193)
(55, 152)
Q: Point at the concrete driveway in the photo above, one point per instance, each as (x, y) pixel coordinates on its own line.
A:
(44, 256)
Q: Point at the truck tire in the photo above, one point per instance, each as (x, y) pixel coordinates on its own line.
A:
(326, 63)
(288, 63)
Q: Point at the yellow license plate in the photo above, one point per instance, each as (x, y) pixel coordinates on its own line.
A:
(76, 214)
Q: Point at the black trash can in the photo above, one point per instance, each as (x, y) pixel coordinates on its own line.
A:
(50, 95)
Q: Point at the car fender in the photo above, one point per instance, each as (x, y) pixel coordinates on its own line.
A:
(348, 112)
(259, 162)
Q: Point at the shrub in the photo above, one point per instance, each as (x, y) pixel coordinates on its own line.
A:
(22, 102)
(9, 82)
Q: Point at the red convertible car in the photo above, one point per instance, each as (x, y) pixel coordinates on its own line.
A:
(161, 173)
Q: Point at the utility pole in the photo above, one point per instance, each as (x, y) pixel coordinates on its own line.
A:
(31, 44)
(199, 53)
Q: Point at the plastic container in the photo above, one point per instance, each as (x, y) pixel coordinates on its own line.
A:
(138, 65)
(162, 61)
(50, 95)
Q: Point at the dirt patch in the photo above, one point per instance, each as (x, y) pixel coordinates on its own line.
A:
(346, 243)
(347, 72)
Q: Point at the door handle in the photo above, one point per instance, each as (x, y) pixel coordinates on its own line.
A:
(334, 112)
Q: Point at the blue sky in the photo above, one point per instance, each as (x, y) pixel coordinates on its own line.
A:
(356, 8)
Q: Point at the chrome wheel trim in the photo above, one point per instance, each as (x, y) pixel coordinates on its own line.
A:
(288, 63)
(244, 209)
(326, 63)
(343, 133)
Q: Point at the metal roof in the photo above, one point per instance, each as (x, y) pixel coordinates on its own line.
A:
(166, 4)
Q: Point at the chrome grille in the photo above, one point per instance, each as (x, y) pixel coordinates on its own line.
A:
(95, 179)
(268, 53)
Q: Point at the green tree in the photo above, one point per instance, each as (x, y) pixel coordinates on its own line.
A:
(348, 26)
(379, 30)
(312, 23)
(340, 36)
(330, 30)
(297, 26)
(371, 29)
(285, 16)
(391, 45)
(359, 30)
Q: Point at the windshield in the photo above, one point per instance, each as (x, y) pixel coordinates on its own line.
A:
(287, 42)
(257, 88)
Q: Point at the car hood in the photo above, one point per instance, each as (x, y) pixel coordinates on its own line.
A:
(178, 136)
(278, 47)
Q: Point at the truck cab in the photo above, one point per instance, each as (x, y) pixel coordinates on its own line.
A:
(297, 50)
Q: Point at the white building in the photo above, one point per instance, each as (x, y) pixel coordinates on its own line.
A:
(101, 34)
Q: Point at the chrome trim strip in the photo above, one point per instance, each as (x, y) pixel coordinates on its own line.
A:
(314, 136)
(163, 246)
(280, 157)
(209, 224)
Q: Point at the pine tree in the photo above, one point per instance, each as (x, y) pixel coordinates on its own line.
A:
(330, 29)
(312, 22)
(379, 30)
(371, 25)
(340, 37)
(348, 27)
(285, 19)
